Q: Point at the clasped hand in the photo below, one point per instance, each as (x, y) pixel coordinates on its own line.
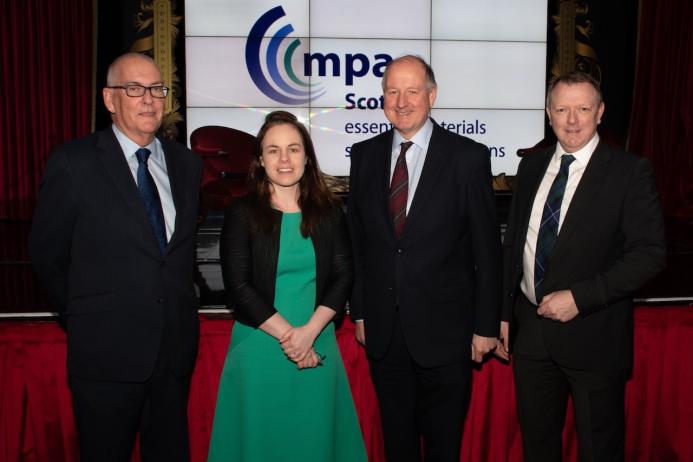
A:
(297, 344)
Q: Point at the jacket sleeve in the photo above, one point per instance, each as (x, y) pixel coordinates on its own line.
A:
(341, 276)
(511, 272)
(50, 241)
(644, 250)
(237, 269)
(486, 247)
(357, 300)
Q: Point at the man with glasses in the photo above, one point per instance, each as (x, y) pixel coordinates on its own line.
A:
(113, 243)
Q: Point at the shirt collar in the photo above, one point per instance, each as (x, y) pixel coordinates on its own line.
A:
(420, 139)
(129, 147)
(583, 155)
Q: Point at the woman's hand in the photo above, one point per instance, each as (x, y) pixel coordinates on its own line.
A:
(311, 360)
(298, 341)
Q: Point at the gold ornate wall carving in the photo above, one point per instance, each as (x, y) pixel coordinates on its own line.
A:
(156, 19)
(574, 30)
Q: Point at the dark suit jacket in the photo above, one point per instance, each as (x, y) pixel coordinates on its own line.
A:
(443, 273)
(249, 263)
(610, 243)
(96, 255)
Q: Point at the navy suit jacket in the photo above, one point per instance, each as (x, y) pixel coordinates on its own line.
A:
(443, 273)
(96, 255)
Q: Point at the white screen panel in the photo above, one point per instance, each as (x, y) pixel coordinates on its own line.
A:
(370, 19)
(236, 18)
(217, 74)
(507, 75)
(508, 20)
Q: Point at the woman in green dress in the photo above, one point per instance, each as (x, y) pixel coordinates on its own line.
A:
(287, 268)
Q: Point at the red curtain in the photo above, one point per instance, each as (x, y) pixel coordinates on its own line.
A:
(36, 422)
(46, 87)
(661, 125)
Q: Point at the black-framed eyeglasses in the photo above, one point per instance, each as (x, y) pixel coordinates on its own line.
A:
(135, 91)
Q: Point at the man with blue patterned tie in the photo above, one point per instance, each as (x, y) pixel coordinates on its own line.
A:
(113, 243)
(584, 232)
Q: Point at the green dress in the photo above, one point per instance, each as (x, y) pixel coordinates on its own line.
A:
(267, 409)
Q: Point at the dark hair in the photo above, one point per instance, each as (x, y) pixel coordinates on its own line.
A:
(572, 78)
(315, 199)
(430, 76)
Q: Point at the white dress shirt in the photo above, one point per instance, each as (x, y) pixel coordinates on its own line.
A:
(415, 155)
(577, 168)
(157, 168)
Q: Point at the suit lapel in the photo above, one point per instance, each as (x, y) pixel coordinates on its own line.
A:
(584, 197)
(382, 167)
(434, 162)
(113, 159)
(534, 178)
(174, 171)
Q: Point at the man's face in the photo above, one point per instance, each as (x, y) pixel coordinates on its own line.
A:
(407, 99)
(574, 112)
(137, 117)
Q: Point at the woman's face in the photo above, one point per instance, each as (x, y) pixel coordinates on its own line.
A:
(283, 156)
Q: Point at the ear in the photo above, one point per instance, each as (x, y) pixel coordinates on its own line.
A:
(548, 114)
(432, 96)
(600, 112)
(108, 99)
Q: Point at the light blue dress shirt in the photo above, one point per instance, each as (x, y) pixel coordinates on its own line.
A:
(416, 156)
(157, 168)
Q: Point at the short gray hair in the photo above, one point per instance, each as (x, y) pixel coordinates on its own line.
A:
(430, 76)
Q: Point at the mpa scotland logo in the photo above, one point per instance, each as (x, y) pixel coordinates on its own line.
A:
(294, 92)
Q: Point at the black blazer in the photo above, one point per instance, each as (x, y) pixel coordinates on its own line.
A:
(443, 273)
(249, 263)
(96, 255)
(610, 243)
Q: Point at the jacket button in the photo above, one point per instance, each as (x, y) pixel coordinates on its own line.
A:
(399, 250)
(160, 300)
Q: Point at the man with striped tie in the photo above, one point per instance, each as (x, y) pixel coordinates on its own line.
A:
(584, 232)
(426, 297)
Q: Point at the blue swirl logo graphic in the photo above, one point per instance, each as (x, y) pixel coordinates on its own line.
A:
(300, 93)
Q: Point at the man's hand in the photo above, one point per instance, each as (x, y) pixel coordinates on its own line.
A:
(360, 332)
(559, 306)
(503, 348)
(481, 346)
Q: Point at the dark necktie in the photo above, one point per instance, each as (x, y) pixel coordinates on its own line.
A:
(548, 229)
(150, 197)
(399, 190)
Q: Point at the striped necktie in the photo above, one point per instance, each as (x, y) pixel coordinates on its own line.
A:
(399, 190)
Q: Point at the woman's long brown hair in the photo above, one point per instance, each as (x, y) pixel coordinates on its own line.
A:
(315, 199)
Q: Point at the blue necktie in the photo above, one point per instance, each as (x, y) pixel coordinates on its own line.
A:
(548, 229)
(150, 197)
